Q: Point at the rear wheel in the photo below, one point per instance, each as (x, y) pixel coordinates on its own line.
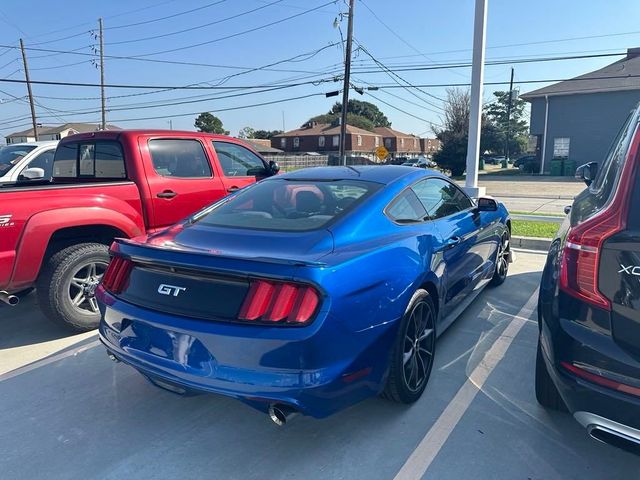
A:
(502, 259)
(546, 392)
(413, 351)
(67, 283)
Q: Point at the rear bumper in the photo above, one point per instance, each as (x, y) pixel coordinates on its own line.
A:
(318, 369)
(591, 404)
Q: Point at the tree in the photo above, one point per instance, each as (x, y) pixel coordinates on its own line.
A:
(454, 133)
(207, 122)
(496, 111)
(247, 132)
(360, 114)
(266, 134)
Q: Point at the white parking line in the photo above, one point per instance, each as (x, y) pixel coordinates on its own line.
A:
(48, 360)
(429, 447)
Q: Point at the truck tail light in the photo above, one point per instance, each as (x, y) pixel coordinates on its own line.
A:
(116, 277)
(281, 302)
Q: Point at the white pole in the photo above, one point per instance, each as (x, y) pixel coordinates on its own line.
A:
(544, 134)
(475, 114)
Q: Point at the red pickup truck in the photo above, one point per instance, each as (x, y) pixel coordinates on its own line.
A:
(55, 235)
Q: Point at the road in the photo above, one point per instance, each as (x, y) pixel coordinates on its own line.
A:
(75, 414)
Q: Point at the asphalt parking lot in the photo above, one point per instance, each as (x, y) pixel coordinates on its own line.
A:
(69, 412)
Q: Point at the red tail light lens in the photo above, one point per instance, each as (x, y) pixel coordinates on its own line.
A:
(116, 277)
(581, 256)
(600, 380)
(280, 302)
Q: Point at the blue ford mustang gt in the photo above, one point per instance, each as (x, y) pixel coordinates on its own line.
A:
(306, 292)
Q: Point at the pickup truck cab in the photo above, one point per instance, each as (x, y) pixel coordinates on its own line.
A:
(26, 161)
(55, 235)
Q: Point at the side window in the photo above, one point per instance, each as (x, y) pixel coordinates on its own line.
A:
(96, 159)
(180, 158)
(406, 208)
(43, 161)
(441, 198)
(238, 161)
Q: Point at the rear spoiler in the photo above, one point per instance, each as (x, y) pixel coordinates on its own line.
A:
(131, 248)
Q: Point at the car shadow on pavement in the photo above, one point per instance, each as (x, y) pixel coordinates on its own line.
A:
(25, 324)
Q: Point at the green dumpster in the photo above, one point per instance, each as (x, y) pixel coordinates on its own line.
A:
(557, 166)
(503, 164)
(481, 163)
(569, 168)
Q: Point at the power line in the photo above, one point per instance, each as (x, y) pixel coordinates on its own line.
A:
(197, 27)
(179, 14)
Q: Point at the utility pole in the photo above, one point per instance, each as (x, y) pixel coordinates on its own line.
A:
(170, 124)
(283, 127)
(26, 76)
(345, 88)
(508, 137)
(103, 124)
(477, 84)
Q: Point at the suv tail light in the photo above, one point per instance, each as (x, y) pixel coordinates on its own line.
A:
(116, 277)
(581, 256)
(583, 245)
(269, 301)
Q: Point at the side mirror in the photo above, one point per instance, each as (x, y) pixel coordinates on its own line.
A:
(274, 168)
(33, 173)
(587, 172)
(487, 204)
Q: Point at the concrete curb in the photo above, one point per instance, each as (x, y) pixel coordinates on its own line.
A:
(530, 243)
(533, 196)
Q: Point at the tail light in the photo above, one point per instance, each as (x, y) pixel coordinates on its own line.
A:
(600, 379)
(116, 277)
(581, 256)
(583, 245)
(281, 302)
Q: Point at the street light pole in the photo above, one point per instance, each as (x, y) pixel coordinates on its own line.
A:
(475, 115)
(345, 88)
(509, 104)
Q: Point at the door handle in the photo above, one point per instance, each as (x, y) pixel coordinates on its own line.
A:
(166, 194)
(452, 242)
(233, 189)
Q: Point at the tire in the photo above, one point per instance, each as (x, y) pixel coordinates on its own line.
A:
(502, 260)
(402, 385)
(65, 275)
(547, 394)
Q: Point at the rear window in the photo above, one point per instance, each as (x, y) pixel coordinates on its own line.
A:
(101, 159)
(289, 205)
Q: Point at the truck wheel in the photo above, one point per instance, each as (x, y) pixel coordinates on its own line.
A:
(67, 283)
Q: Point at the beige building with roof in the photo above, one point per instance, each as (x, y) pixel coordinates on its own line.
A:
(54, 132)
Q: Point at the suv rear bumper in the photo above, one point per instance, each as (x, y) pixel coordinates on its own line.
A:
(592, 405)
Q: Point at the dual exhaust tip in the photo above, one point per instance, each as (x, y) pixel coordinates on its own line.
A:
(11, 300)
(614, 438)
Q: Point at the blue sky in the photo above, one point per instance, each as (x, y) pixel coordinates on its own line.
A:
(427, 32)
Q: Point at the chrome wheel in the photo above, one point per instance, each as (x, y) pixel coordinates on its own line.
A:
(419, 343)
(82, 286)
(502, 260)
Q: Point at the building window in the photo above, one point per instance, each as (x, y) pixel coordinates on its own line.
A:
(387, 143)
(321, 141)
(296, 142)
(283, 142)
(402, 142)
(561, 147)
(336, 140)
(415, 143)
(376, 141)
(359, 140)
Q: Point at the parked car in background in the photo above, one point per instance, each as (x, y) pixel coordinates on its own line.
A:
(306, 292)
(420, 162)
(55, 236)
(528, 164)
(26, 161)
(589, 307)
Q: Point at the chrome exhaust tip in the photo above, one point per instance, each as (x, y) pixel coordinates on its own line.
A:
(614, 438)
(11, 300)
(113, 358)
(281, 414)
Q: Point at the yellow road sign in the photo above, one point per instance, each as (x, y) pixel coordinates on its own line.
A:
(382, 152)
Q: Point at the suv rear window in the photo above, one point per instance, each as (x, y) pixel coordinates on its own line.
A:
(289, 205)
(101, 159)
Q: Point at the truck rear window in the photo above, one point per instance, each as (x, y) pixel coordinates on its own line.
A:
(92, 159)
(289, 205)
